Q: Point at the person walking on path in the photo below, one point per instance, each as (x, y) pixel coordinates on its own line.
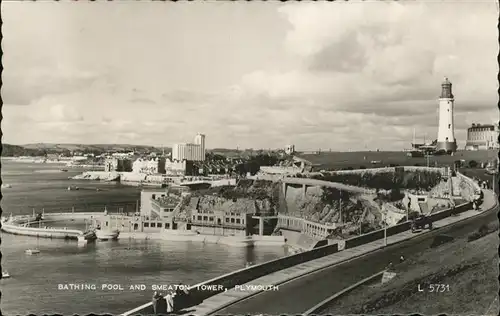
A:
(156, 296)
(170, 302)
(401, 259)
(181, 296)
(161, 307)
(389, 266)
(453, 211)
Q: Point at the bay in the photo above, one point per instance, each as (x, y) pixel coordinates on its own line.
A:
(36, 283)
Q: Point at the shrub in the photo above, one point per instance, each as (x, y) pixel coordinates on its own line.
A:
(391, 196)
(331, 194)
(473, 164)
(388, 180)
(484, 230)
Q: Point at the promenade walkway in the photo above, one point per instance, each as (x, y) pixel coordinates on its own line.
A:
(339, 270)
(336, 185)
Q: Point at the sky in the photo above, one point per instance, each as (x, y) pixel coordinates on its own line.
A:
(340, 76)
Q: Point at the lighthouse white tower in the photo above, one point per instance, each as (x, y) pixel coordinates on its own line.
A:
(446, 142)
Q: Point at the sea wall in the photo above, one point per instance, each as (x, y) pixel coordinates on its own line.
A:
(234, 241)
(139, 236)
(388, 169)
(97, 175)
(18, 225)
(41, 232)
(71, 215)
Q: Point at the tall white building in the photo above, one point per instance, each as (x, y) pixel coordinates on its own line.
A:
(199, 139)
(446, 141)
(190, 152)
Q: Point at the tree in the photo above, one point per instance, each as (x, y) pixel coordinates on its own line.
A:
(473, 164)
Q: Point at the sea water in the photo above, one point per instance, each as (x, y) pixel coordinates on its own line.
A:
(102, 277)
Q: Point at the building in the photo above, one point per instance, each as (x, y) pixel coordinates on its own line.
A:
(290, 149)
(123, 155)
(446, 141)
(157, 212)
(179, 168)
(190, 151)
(149, 166)
(199, 139)
(220, 222)
(117, 164)
(159, 165)
(482, 137)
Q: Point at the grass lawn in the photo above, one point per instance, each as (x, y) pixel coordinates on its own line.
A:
(469, 269)
(328, 160)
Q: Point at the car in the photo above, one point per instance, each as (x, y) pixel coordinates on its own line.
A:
(421, 222)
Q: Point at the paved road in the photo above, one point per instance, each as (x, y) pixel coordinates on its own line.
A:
(298, 296)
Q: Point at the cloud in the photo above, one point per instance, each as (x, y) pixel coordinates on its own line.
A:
(370, 53)
(331, 75)
(22, 88)
(142, 100)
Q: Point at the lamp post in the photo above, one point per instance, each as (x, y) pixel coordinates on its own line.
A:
(341, 222)
(360, 225)
(385, 230)
(408, 210)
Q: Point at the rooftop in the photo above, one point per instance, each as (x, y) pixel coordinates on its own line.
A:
(168, 200)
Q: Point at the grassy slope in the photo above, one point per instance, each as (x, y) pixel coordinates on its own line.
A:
(356, 159)
(470, 269)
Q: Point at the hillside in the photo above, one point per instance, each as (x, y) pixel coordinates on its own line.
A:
(83, 147)
(472, 281)
(40, 149)
(14, 150)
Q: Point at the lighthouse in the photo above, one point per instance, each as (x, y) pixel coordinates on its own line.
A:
(446, 142)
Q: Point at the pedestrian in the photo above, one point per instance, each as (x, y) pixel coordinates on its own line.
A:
(401, 259)
(181, 296)
(156, 296)
(453, 211)
(161, 307)
(389, 266)
(170, 302)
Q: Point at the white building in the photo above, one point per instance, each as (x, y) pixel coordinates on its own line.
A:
(290, 149)
(123, 155)
(446, 141)
(175, 168)
(146, 166)
(190, 152)
(160, 165)
(482, 137)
